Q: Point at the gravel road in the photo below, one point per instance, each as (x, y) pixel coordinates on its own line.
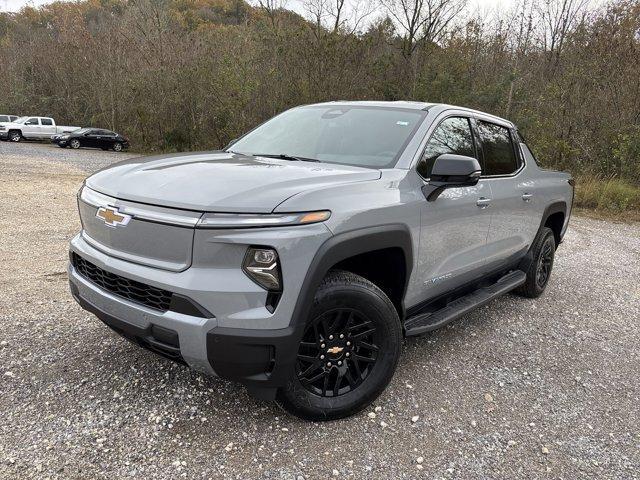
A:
(521, 388)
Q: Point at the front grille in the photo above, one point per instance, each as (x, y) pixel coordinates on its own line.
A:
(137, 292)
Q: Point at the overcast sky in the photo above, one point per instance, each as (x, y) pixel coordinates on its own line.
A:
(15, 5)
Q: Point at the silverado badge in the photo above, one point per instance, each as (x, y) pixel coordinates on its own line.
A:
(112, 217)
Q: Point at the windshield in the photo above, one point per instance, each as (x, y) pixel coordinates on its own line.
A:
(21, 119)
(349, 135)
(80, 130)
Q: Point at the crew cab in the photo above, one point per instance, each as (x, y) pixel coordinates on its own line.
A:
(32, 128)
(297, 259)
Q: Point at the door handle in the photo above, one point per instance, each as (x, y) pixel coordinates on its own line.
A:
(483, 202)
(527, 196)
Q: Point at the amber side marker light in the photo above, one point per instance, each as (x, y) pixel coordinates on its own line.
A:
(314, 217)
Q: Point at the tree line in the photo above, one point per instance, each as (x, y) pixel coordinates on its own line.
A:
(194, 74)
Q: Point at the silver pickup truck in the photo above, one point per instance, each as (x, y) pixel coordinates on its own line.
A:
(32, 128)
(296, 260)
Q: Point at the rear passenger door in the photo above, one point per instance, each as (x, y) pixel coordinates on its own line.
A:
(511, 193)
(105, 138)
(47, 128)
(454, 228)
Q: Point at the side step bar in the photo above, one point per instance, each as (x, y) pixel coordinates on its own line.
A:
(427, 322)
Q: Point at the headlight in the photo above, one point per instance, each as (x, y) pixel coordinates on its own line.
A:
(237, 220)
(63, 137)
(261, 265)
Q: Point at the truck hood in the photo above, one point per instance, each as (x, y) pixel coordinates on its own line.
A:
(220, 181)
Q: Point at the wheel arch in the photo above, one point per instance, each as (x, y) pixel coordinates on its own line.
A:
(347, 251)
(554, 217)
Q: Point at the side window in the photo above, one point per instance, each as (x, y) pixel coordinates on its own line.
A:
(46, 121)
(32, 121)
(4, 118)
(452, 135)
(497, 145)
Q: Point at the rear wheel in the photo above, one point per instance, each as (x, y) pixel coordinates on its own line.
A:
(15, 136)
(74, 143)
(543, 253)
(348, 353)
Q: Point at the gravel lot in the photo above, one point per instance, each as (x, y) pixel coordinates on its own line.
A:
(518, 389)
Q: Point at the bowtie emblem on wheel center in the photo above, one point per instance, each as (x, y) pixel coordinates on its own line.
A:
(335, 350)
(112, 217)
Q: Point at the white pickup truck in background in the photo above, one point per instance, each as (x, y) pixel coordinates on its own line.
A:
(32, 128)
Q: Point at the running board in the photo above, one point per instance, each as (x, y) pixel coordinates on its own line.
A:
(427, 322)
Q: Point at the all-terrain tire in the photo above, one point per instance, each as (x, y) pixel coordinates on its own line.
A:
(353, 338)
(543, 251)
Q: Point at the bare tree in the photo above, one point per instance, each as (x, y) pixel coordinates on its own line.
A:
(558, 18)
(422, 21)
(271, 9)
(335, 16)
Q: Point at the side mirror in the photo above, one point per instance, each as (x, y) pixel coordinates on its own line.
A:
(451, 171)
(230, 143)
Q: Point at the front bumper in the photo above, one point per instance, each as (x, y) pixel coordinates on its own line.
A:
(242, 340)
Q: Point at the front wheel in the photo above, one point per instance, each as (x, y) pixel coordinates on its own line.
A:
(543, 252)
(348, 353)
(74, 143)
(117, 147)
(15, 136)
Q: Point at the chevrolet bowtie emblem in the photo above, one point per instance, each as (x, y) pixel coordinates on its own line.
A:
(334, 350)
(112, 217)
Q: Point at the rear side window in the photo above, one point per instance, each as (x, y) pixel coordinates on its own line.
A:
(452, 135)
(497, 145)
(46, 121)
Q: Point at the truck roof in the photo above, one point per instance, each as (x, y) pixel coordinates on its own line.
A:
(410, 105)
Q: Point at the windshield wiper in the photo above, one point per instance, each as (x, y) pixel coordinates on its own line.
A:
(284, 156)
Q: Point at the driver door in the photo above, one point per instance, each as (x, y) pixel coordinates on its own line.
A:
(90, 139)
(454, 227)
(31, 128)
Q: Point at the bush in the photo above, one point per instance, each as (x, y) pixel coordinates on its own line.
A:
(607, 194)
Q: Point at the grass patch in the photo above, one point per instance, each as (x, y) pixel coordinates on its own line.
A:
(607, 195)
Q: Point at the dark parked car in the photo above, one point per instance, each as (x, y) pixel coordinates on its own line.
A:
(92, 137)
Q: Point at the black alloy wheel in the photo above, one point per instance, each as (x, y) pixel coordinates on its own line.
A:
(338, 351)
(542, 254)
(348, 352)
(545, 262)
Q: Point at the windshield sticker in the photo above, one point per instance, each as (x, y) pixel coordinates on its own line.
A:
(402, 122)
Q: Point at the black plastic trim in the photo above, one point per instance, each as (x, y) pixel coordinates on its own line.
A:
(556, 207)
(160, 340)
(345, 245)
(262, 359)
